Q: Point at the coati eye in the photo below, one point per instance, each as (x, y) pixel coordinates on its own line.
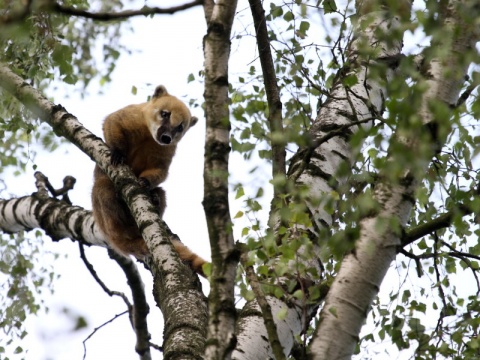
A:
(180, 128)
(165, 114)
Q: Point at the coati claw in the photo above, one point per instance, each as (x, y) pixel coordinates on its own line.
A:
(144, 182)
(116, 157)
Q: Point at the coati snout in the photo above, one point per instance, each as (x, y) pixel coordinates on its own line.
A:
(165, 133)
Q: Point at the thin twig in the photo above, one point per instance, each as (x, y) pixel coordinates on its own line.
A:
(307, 153)
(266, 311)
(108, 16)
(92, 271)
(98, 328)
(440, 222)
(465, 95)
(414, 258)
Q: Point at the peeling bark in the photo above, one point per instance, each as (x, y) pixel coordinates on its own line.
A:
(347, 110)
(361, 273)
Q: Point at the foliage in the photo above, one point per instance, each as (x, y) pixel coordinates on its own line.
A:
(306, 69)
(24, 273)
(48, 49)
(310, 52)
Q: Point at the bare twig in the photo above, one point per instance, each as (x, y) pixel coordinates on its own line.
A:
(465, 95)
(92, 271)
(440, 222)
(156, 347)
(43, 184)
(139, 311)
(307, 152)
(98, 328)
(416, 258)
(108, 16)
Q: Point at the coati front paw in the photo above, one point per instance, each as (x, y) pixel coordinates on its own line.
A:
(116, 157)
(144, 182)
(155, 198)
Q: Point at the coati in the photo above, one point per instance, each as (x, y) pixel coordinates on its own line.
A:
(144, 137)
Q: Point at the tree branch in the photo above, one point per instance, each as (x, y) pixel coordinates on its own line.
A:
(140, 305)
(139, 311)
(98, 328)
(108, 16)
(275, 118)
(99, 281)
(440, 222)
(43, 184)
(275, 343)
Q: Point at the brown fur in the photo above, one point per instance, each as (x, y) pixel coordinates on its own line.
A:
(144, 137)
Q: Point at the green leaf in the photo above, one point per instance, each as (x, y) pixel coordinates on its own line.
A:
(207, 269)
(240, 192)
(304, 26)
(333, 310)
(350, 80)
(276, 11)
(329, 6)
(282, 314)
(288, 16)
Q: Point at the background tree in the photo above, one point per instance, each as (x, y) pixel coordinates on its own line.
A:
(372, 150)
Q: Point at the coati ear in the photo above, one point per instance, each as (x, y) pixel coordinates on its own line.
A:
(160, 90)
(193, 121)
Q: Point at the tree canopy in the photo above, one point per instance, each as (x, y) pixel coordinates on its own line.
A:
(352, 232)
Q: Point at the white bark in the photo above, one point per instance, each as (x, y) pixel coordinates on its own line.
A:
(59, 219)
(347, 109)
(222, 314)
(253, 341)
(361, 273)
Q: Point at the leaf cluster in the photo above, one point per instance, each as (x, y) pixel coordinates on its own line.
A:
(24, 280)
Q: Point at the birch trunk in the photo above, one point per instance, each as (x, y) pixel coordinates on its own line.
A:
(347, 109)
(361, 273)
(222, 313)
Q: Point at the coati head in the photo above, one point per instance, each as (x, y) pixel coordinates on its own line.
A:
(167, 117)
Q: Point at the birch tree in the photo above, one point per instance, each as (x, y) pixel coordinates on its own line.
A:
(363, 114)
